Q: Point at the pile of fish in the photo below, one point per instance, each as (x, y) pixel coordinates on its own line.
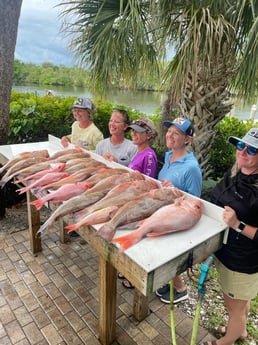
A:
(94, 193)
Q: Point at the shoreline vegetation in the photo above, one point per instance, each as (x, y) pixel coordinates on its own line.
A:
(57, 79)
(51, 75)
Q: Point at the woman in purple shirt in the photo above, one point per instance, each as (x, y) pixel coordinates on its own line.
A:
(145, 160)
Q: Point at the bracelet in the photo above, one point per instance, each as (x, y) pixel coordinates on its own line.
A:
(256, 236)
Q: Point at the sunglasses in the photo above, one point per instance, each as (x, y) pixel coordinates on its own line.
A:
(250, 149)
(142, 124)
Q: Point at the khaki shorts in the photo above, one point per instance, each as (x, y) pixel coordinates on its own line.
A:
(237, 285)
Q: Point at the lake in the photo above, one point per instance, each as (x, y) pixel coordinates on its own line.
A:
(147, 102)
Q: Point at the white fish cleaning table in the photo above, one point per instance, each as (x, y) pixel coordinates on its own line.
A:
(148, 264)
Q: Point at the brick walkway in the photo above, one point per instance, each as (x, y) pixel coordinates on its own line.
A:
(52, 298)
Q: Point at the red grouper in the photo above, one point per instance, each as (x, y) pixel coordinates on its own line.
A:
(52, 168)
(23, 155)
(49, 177)
(89, 197)
(141, 207)
(183, 214)
(63, 193)
(116, 197)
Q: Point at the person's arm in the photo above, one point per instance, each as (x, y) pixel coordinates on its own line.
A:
(194, 182)
(65, 140)
(230, 218)
(149, 165)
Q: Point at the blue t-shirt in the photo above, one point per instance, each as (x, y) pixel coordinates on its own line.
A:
(185, 173)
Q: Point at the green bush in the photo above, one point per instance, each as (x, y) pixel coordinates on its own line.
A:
(32, 118)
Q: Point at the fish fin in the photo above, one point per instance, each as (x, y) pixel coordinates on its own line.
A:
(106, 231)
(37, 203)
(72, 227)
(157, 234)
(127, 241)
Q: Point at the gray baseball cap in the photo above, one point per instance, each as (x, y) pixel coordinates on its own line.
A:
(251, 138)
(82, 103)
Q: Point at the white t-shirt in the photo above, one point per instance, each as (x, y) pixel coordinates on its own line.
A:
(123, 152)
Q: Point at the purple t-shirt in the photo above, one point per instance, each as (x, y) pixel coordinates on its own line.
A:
(146, 162)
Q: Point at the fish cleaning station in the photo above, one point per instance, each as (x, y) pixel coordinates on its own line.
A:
(148, 264)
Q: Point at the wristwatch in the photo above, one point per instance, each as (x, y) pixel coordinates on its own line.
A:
(241, 227)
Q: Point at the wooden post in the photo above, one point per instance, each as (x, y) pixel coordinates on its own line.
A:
(34, 224)
(107, 301)
(140, 305)
(64, 237)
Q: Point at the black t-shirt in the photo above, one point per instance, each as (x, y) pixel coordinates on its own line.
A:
(240, 193)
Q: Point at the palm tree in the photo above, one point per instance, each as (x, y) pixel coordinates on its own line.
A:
(9, 18)
(215, 45)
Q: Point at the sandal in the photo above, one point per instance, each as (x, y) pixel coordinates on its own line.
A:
(120, 276)
(213, 342)
(127, 284)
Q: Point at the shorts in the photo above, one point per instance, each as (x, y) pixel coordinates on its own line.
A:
(237, 285)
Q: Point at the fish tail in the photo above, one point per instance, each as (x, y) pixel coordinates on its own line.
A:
(127, 241)
(37, 203)
(21, 180)
(23, 190)
(106, 231)
(72, 227)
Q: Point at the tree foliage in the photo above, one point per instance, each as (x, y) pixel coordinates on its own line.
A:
(214, 42)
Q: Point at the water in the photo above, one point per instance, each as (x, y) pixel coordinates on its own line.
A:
(147, 102)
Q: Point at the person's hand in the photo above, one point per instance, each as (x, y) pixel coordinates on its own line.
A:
(166, 183)
(65, 141)
(109, 157)
(230, 217)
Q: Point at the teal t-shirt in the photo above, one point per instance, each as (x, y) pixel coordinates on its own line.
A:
(185, 173)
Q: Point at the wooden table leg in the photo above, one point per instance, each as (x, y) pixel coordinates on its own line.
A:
(34, 224)
(64, 237)
(140, 305)
(107, 302)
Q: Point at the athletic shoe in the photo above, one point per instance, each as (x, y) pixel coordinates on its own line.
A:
(161, 291)
(178, 296)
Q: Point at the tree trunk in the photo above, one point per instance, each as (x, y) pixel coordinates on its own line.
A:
(9, 19)
(205, 101)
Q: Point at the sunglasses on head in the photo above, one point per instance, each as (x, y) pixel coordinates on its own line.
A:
(250, 149)
(141, 124)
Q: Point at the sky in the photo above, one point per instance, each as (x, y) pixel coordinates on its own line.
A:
(39, 39)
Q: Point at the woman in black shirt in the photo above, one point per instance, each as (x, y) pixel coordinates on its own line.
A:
(237, 260)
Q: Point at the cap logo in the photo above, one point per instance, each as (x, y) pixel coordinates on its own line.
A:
(179, 120)
(253, 133)
(79, 101)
